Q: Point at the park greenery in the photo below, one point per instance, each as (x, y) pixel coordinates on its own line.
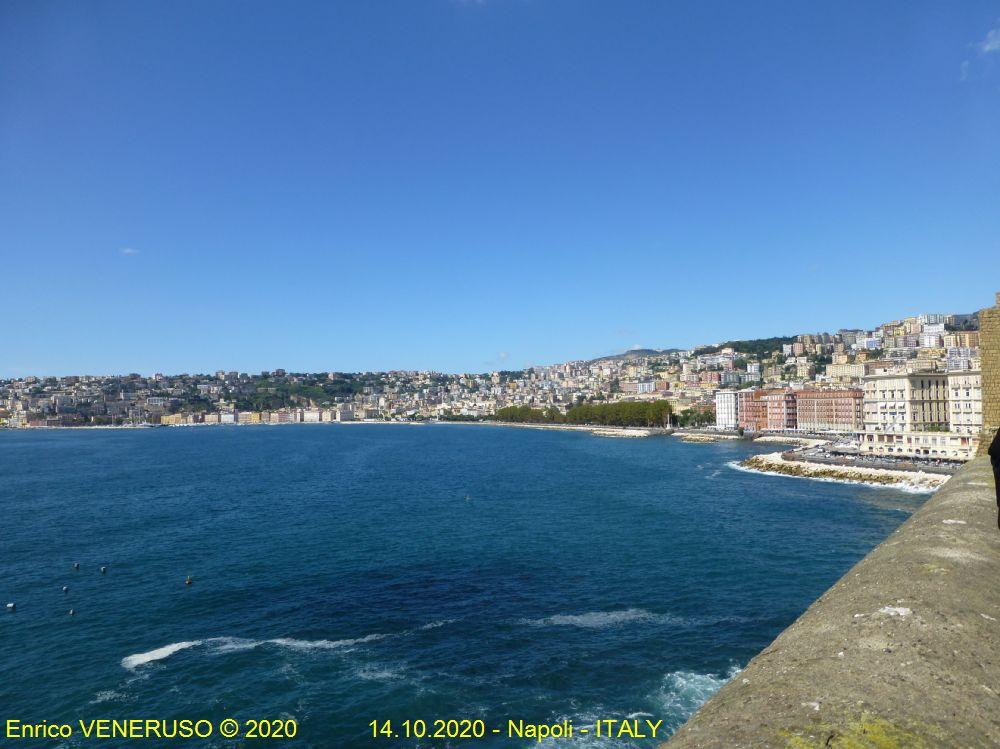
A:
(620, 413)
(760, 348)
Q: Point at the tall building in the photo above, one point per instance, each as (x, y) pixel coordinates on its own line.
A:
(965, 402)
(913, 402)
(752, 410)
(830, 410)
(781, 413)
(727, 409)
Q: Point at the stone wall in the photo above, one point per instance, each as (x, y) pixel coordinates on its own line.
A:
(989, 349)
(902, 652)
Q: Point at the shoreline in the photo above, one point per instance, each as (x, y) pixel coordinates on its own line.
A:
(775, 464)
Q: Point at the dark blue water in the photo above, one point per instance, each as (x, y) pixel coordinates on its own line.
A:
(344, 574)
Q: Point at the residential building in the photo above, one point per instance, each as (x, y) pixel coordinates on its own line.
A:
(727, 409)
(906, 402)
(965, 402)
(830, 410)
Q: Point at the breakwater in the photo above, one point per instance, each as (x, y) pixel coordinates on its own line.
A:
(903, 651)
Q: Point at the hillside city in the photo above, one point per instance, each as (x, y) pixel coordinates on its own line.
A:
(909, 388)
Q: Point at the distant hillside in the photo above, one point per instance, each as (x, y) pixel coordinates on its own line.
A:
(755, 346)
(638, 352)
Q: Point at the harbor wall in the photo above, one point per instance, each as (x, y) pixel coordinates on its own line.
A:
(903, 651)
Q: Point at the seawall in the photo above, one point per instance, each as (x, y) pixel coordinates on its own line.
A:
(903, 651)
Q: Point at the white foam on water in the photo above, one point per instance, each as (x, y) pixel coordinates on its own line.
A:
(140, 659)
(908, 487)
(597, 619)
(374, 673)
(435, 625)
(107, 696)
(683, 692)
(288, 642)
(226, 645)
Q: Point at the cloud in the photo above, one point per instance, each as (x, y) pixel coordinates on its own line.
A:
(129, 251)
(991, 43)
(988, 46)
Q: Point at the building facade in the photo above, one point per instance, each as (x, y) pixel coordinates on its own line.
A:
(727, 410)
(752, 410)
(830, 410)
(965, 402)
(781, 412)
(913, 402)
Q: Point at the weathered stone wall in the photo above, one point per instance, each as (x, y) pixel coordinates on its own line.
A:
(989, 349)
(903, 651)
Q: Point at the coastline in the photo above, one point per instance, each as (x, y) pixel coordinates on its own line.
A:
(600, 431)
(775, 464)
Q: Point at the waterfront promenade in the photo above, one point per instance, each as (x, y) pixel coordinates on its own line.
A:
(903, 651)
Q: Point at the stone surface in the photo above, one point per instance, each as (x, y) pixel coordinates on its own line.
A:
(989, 350)
(903, 651)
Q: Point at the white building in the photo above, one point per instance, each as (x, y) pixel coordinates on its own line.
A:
(914, 402)
(965, 402)
(726, 409)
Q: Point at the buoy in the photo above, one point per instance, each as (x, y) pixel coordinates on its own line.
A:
(104, 570)
(72, 613)
(65, 589)
(11, 606)
(189, 580)
(76, 565)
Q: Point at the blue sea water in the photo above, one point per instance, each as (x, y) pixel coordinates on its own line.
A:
(351, 573)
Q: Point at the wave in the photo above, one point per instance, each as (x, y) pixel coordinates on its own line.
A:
(683, 692)
(597, 619)
(906, 486)
(435, 625)
(223, 645)
(140, 659)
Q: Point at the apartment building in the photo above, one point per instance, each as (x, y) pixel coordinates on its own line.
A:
(940, 445)
(830, 410)
(965, 402)
(910, 402)
(752, 410)
(727, 410)
(781, 413)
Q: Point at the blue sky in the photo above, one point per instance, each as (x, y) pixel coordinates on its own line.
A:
(462, 186)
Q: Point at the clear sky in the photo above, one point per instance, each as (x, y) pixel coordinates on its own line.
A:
(464, 186)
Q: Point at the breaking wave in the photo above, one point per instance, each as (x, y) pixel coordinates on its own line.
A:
(598, 619)
(223, 645)
(140, 659)
(683, 692)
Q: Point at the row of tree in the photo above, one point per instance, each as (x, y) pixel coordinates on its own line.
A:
(620, 413)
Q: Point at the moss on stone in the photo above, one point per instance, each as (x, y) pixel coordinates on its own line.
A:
(864, 732)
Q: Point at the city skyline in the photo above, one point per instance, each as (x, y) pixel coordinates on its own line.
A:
(462, 186)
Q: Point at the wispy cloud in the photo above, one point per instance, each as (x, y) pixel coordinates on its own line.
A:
(991, 43)
(129, 251)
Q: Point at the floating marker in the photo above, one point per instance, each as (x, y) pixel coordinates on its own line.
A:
(65, 589)
(11, 606)
(104, 570)
(189, 580)
(72, 613)
(76, 565)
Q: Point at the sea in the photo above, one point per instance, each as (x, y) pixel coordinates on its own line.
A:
(353, 582)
